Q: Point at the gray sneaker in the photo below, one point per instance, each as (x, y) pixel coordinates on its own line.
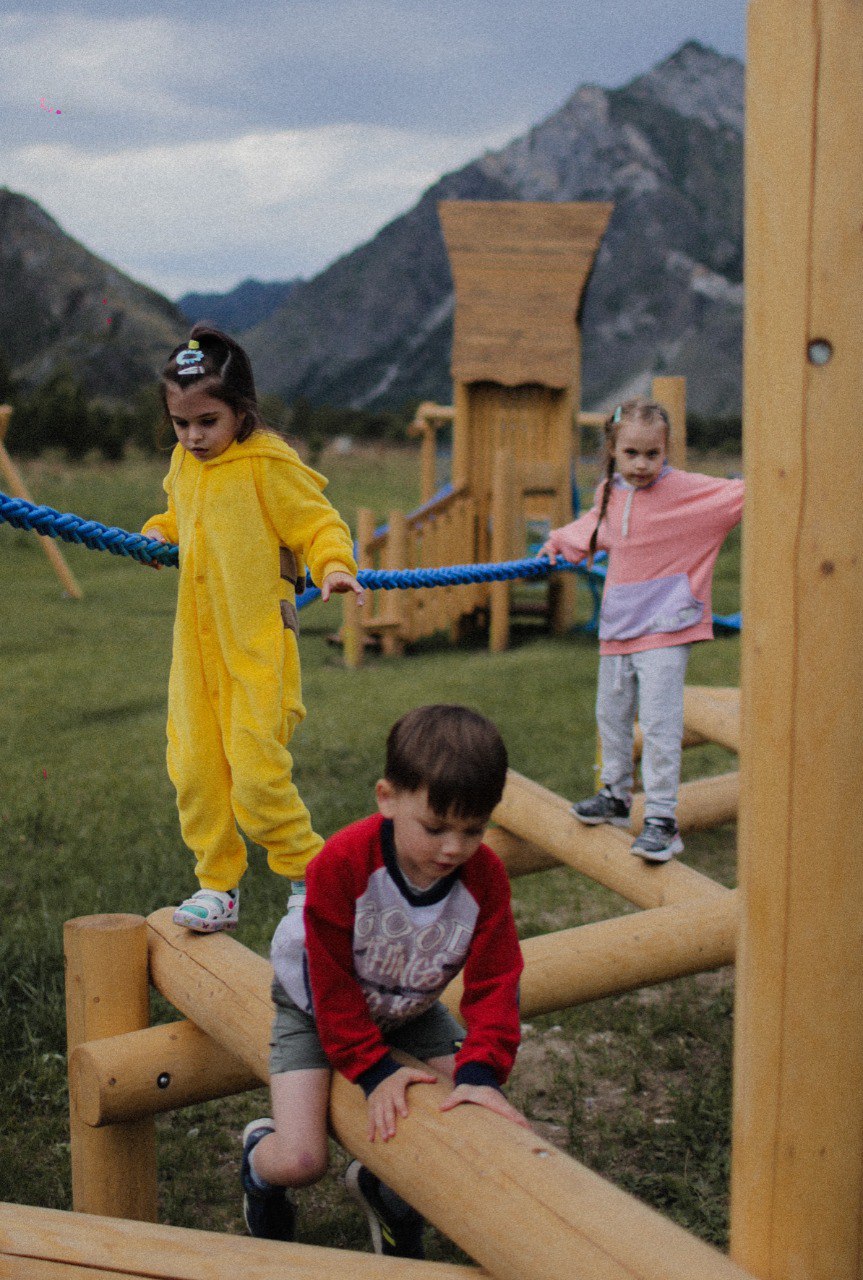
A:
(603, 807)
(659, 841)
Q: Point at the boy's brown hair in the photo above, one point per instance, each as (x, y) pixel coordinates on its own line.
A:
(455, 753)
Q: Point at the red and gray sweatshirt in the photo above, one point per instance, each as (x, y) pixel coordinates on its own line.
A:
(370, 953)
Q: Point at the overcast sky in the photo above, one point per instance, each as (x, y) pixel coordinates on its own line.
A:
(198, 144)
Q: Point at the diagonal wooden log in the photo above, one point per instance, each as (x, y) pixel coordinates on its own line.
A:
(714, 713)
(704, 803)
(543, 818)
(50, 1244)
(521, 1208)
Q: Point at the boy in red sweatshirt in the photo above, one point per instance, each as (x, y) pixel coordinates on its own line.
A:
(396, 905)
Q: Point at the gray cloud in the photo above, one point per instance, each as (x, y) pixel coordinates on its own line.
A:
(393, 91)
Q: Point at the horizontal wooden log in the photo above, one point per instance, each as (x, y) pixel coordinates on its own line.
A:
(608, 957)
(50, 1244)
(714, 713)
(148, 1072)
(473, 1174)
(603, 852)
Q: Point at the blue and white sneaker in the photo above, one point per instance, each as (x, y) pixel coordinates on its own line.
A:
(209, 911)
(603, 807)
(659, 841)
(270, 1214)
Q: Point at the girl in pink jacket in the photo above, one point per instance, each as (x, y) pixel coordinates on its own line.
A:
(662, 529)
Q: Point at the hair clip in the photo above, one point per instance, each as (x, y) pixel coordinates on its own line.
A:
(616, 416)
(190, 359)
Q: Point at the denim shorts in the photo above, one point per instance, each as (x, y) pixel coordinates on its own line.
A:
(295, 1045)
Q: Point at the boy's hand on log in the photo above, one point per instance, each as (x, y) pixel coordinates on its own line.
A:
(483, 1095)
(389, 1100)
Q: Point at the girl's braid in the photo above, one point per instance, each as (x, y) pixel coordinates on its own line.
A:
(609, 428)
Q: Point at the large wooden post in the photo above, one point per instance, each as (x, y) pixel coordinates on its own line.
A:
(107, 993)
(797, 1169)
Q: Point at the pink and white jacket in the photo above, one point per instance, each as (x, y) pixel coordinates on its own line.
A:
(662, 544)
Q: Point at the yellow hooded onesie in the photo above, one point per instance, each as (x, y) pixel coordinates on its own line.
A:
(246, 522)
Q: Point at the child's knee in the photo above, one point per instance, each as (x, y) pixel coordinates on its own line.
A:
(291, 1166)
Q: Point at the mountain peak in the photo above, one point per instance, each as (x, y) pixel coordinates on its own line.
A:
(696, 82)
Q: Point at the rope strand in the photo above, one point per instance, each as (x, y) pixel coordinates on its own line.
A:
(99, 537)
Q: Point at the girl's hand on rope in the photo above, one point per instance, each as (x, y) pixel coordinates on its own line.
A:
(341, 582)
(483, 1095)
(157, 536)
(548, 549)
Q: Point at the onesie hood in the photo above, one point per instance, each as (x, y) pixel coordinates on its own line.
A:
(260, 444)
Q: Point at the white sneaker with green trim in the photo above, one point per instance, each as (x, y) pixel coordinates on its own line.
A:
(209, 911)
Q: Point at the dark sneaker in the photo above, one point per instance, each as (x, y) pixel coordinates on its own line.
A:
(269, 1215)
(396, 1234)
(603, 807)
(659, 841)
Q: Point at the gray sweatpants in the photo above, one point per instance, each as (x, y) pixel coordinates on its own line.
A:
(648, 685)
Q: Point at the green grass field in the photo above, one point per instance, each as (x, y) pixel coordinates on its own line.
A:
(638, 1087)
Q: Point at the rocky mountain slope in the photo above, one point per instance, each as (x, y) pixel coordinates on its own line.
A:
(246, 305)
(62, 305)
(375, 328)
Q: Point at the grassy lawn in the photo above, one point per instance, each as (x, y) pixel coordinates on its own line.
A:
(637, 1087)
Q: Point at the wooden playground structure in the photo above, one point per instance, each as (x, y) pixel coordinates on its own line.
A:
(518, 1206)
(520, 270)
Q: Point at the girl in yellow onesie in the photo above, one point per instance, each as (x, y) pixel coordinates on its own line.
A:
(248, 516)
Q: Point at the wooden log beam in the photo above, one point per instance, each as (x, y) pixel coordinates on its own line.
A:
(149, 1072)
(50, 1244)
(173, 1065)
(714, 714)
(575, 966)
(570, 1222)
(520, 1207)
(702, 804)
(797, 1158)
(542, 817)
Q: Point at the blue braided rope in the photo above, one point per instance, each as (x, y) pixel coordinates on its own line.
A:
(99, 537)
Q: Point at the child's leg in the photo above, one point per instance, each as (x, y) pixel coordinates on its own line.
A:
(616, 695)
(267, 804)
(199, 770)
(661, 674)
(295, 1154)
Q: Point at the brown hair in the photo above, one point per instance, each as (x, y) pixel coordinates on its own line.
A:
(637, 410)
(456, 753)
(222, 369)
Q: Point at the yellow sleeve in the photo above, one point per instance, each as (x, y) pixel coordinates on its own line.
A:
(303, 518)
(167, 520)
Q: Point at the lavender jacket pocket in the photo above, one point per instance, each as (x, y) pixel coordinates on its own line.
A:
(632, 609)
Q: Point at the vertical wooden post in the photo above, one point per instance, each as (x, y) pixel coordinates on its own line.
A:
(19, 490)
(671, 392)
(797, 1167)
(504, 502)
(396, 607)
(107, 993)
(427, 461)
